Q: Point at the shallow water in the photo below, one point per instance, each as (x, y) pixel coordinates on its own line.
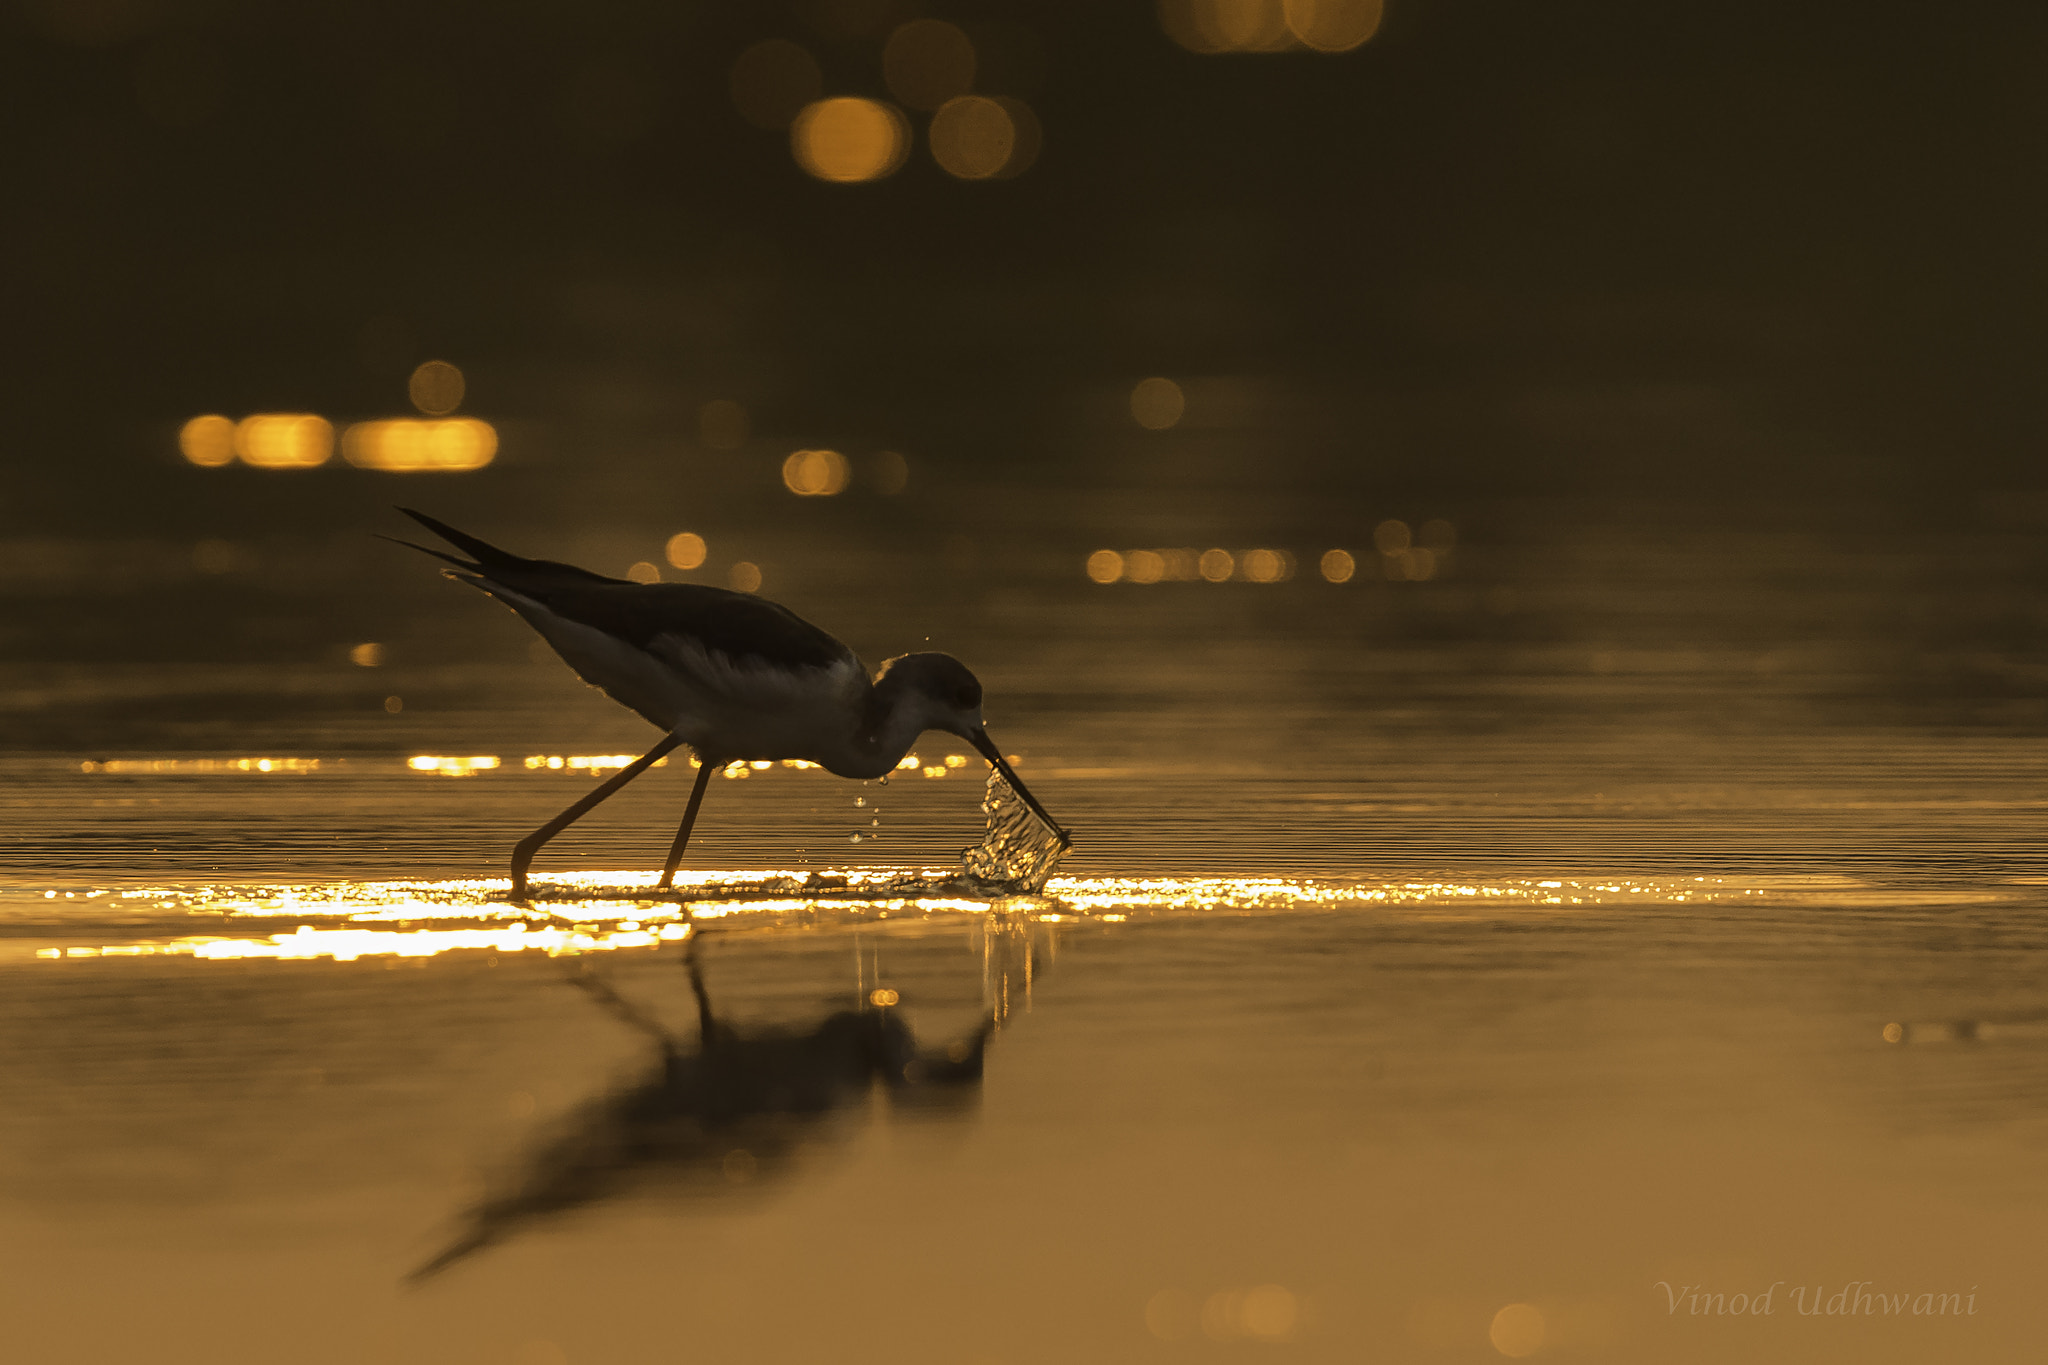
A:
(1443, 971)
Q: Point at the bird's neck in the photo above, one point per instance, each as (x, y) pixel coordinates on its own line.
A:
(890, 723)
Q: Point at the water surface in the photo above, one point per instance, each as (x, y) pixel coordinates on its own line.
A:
(1441, 968)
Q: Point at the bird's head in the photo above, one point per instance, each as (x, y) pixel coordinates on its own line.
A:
(937, 689)
(938, 692)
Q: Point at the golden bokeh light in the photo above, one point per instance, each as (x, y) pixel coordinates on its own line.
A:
(815, 473)
(1268, 566)
(644, 572)
(412, 445)
(1391, 537)
(1269, 1312)
(889, 472)
(208, 441)
(686, 550)
(1157, 403)
(981, 137)
(927, 62)
(1218, 1317)
(744, 577)
(1333, 25)
(1144, 566)
(847, 140)
(1105, 566)
(436, 388)
(369, 654)
(1211, 26)
(1517, 1330)
(1180, 564)
(722, 424)
(772, 82)
(1409, 566)
(448, 765)
(1249, 25)
(1338, 566)
(284, 440)
(883, 998)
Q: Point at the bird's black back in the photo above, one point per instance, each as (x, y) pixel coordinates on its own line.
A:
(738, 625)
(735, 624)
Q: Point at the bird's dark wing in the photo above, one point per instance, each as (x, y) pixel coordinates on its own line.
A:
(744, 628)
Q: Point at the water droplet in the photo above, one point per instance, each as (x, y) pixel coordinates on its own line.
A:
(860, 800)
(854, 840)
(1017, 852)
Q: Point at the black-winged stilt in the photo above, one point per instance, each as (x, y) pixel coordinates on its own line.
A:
(729, 674)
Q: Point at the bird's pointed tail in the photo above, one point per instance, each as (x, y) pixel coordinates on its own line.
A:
(484, 553)
(462, 564)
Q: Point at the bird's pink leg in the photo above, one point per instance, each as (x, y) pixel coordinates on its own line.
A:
(675, 852)
(522, 853)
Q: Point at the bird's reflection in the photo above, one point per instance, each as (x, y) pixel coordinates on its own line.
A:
(735, 1109)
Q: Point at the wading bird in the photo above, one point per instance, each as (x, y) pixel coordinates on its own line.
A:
(729, 674)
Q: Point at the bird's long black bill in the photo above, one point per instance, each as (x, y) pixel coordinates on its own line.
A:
(989, 751)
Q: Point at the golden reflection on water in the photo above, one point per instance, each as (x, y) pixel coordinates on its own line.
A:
(200, 765)
(604, 911)
(451, 766)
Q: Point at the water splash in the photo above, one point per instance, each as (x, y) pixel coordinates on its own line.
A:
(1017, 853)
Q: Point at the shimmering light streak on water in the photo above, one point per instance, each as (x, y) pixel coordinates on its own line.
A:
(603, 911)
(347, 945)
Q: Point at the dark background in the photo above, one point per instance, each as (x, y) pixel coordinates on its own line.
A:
(1708, 327)
(1738, 249)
